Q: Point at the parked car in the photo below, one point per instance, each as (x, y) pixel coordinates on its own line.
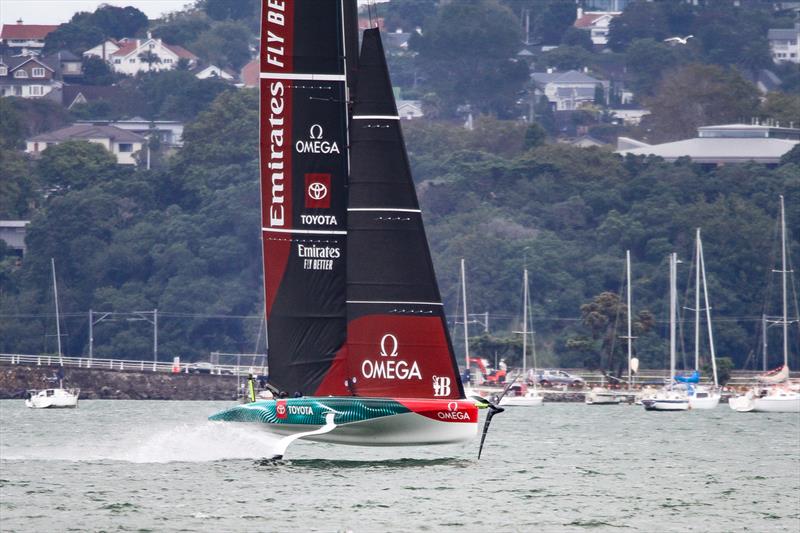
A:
(201, 368)
(546, 378)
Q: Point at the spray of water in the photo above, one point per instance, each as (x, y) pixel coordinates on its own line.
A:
(200, 442)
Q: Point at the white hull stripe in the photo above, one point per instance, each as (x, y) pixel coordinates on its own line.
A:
(391, 303)
(302, 76)
(391, 209)
(376, 117)
(306, 231)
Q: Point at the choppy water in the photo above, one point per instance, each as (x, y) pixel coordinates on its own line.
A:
(161, 466)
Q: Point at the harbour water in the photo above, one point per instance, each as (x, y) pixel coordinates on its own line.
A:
(161, 466)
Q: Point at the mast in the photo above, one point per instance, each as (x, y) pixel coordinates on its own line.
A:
(525, 322)
(630, 318)
(783, 282)
(673, 296)
(702, 265)
(58, 320)
(697, 301)
(464, 302)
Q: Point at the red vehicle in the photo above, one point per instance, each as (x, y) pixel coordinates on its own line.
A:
(483, 374)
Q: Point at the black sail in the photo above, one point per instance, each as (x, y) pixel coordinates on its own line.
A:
(397, 339)
(304, 119)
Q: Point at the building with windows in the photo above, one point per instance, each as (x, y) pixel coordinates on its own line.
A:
(723, 144)
(785, 44)
(25, 39)
(12, 232)
(26, 77)
(123, 144)
(570, 90)
(131, 56)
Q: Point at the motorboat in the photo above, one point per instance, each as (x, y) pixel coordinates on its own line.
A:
(519, 395)
(667, 400)
(52, 398)
(602, 396)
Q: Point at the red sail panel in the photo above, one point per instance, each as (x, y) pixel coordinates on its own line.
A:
(303, 187)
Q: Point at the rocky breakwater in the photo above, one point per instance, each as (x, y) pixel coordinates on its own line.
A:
(97, 384)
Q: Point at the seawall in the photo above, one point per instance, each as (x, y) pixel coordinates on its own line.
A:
(98, 384)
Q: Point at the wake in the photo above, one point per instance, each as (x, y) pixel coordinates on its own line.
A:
(201, 442)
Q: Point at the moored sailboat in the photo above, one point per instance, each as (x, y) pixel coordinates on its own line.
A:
(775, 393)
(520, 395)
(670, 398)
(702, 396)
(359, 349)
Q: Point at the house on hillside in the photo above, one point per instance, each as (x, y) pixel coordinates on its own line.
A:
(213, 71)
(27, 77)
(597, 23)
(722, 145)
(123, 144)
(25, 39)
(568, 91)
(72, 95)
(12, 232)
(250, 73)
(409, 109)
(785, 44)
(66, 65)
(169, 132)
(131, 56)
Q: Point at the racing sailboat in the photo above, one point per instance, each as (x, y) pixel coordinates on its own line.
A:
(359, 351)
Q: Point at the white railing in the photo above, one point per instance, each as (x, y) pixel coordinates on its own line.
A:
(129, 365)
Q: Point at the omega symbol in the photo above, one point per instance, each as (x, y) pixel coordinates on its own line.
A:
(387, 341)
(315, 132)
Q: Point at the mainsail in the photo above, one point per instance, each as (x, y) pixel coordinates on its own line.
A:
(303, 187)
(352, 303)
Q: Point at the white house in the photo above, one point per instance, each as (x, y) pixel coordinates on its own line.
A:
(597, 23)
(213, 71)
(131, 56)
(568, 91)
(170, 132)
(409, 109)
(123, 144)
(25, 39)
(785, 44)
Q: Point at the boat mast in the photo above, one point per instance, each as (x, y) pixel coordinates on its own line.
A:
(630, 332)
(525, 322)
(464, 302)
(58, 320)
(783, 280)
(673, 296)
(697, 300)
(702, 265)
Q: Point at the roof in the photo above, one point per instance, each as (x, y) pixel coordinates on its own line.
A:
(719, 150)
(129, 46)
(14, 223)
(587, 20)
(89, 92)
(783, 33)
(26, 31)
(80, 132)
(570, 76)
(14, 62)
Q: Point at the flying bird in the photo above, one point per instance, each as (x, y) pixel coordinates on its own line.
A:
(678, 40)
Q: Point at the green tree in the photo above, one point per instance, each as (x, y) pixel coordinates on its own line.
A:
(181, 27)
(699, 95)
(577, 37)
(76, 164)
(97, 72)
(225, 44)
(487, 78)
(535, 135)
(640, 20)
(555, 19)
(226, 9)
(150, 58)
(782, 107)
(407, 15)
(647, 60)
